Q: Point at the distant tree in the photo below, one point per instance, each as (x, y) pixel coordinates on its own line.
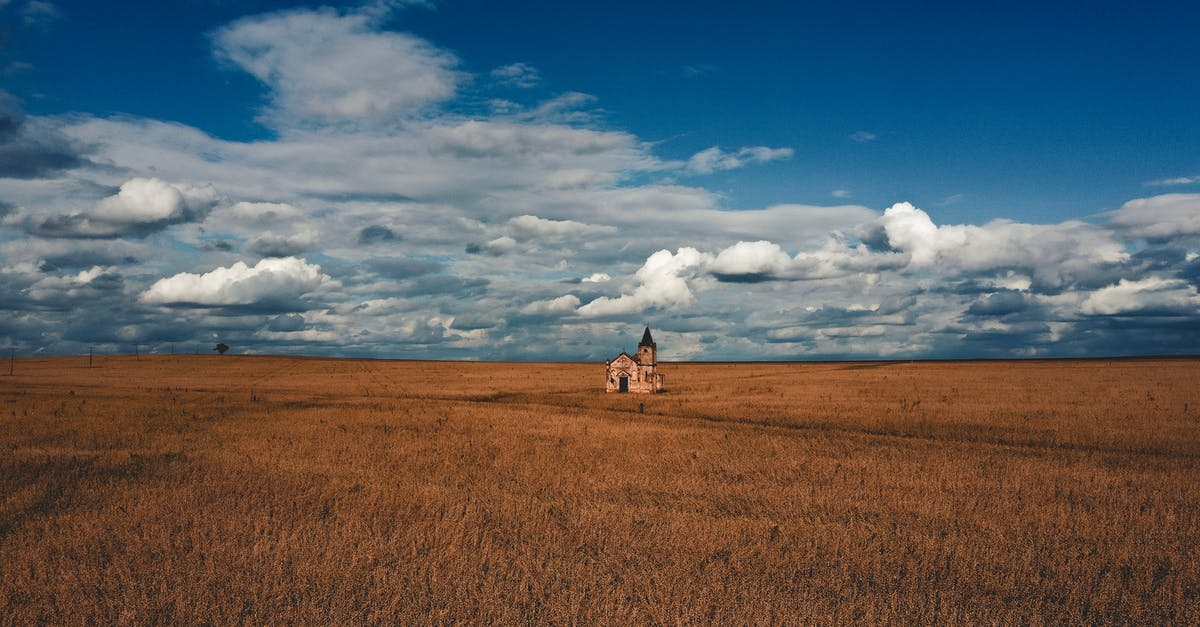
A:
(221, 348)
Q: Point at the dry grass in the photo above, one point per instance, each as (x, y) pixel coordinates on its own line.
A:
(241, 489)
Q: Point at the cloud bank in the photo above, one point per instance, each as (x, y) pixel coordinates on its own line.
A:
(403, 210)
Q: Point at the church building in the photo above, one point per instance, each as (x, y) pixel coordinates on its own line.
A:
(636, 373)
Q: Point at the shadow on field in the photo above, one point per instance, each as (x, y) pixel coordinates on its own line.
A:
(60, 483)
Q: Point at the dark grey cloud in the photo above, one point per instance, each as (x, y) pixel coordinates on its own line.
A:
(749, 277)
(42, 290)
(1000, 303)
(376, 234)
(84, 259)
(33, 149)
(475, 321)
(80, 226)
(271, 245)
(290, 322)
(140, 207)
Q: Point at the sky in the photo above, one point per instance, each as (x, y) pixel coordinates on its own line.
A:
(465, 179)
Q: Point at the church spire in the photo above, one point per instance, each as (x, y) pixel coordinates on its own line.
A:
(646, 339)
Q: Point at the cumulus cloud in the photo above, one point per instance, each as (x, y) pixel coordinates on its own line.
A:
(1160, 217)
(713, 159)
(270, 282)
(151, 200)
(140, 207)
(754, 262)
(325, 67)
(661, 282)
(862, 137)
(273, 245)
(911, 230)
(554, 307)
(1151, 296)
(1054, 254)
(752, 259)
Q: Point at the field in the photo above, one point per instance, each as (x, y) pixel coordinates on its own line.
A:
(235, 489)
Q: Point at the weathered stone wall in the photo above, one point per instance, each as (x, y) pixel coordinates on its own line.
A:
(641, 379)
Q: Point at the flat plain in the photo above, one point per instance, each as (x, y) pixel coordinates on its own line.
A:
(239, 489)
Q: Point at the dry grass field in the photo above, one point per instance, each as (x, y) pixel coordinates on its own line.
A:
(226, 490)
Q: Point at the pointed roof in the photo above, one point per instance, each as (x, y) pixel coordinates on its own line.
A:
(646, 339)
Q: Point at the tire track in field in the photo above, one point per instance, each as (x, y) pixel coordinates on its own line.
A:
(829, 428)
(371, 370)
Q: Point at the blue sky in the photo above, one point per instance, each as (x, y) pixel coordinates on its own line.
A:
(456, 179)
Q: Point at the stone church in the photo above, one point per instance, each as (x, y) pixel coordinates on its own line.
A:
(636, 373)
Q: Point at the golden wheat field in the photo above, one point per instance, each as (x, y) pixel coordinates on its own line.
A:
(236, 489)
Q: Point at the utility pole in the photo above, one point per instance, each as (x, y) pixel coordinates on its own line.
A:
(137, 353)
(90, 350)
(12, 359)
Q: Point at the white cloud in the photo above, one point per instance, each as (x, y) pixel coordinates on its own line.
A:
(752, 258)
(477, 217)
(262, 211)
(498, 247)
(520, 75)
(1168, 215)
(713, 159)
(1178, 180)
(483, 139)
(1053, 252)
(1148, 296)
(304, 335)
(57, 287)
(567, 105)
(324, 67)
(151, 200)
(661, 282)
(142, 206)
(862, 137)
(911, 230)
(270, 280)
(286, 245)
(527, 227)
(558, 306)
